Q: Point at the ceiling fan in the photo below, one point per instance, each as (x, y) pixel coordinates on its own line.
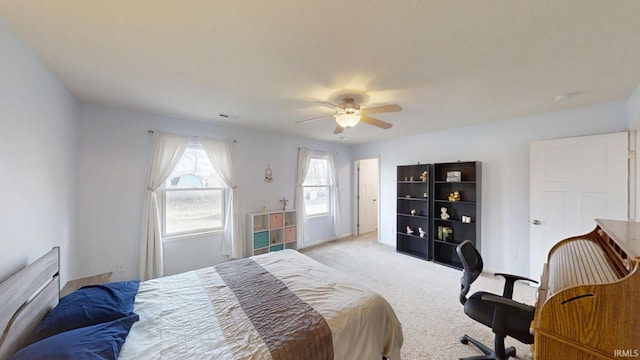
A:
(348, 114)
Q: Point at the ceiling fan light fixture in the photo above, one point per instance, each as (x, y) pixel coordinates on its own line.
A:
(348, 120)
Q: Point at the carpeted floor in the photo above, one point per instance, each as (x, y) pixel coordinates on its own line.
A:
(424, 296)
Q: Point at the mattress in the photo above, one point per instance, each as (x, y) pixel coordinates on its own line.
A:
(281, 305)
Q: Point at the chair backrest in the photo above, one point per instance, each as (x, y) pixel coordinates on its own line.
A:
(472, 264)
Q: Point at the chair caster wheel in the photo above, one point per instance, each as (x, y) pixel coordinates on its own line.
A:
(464, 340)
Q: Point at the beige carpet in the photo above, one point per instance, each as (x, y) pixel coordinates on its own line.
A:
(424, 296)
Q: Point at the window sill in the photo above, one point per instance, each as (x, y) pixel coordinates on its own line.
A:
(319, 216)
(174, 238)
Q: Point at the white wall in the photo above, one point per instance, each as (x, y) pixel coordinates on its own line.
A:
(46, 151)
(37, 159)
(633, 108)
(633, 114)
(114, 154)
(503, 149)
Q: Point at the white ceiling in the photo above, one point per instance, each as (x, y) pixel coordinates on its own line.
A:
(446, 63)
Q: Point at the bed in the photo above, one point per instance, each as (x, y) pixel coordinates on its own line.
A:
(281, 305)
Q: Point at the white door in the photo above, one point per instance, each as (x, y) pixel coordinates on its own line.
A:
(573, 182)
(367, 195)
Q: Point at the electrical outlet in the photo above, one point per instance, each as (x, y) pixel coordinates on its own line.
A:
(120, 267)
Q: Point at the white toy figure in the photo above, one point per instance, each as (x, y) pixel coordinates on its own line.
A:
(409, 231)
(421, 232)
(443, 213)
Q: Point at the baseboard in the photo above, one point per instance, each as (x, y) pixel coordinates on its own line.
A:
(319, 242)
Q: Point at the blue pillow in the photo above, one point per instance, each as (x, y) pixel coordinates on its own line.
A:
(87, 306)
(100, 341)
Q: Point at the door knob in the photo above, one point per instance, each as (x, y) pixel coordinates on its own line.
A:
(536, 222)
(374, 199)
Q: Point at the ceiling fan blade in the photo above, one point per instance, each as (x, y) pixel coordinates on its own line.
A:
(313, 119)
(338, 129)
(381, 109)
(375, 122)
(328, 104)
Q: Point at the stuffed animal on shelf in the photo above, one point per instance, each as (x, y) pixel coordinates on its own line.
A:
(409, 231)
(421, 232)
(443, 213)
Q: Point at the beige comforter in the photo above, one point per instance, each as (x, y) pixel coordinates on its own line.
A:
(307, 310)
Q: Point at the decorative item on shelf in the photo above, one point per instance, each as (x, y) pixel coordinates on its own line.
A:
(286, 223)
(411, 178)
(283, 201)
(405, 178)
(409, 231)
(425, 195)
(454, 196)
(423, 177)
(421, 232)
(454, 176)
(407, 196)
(445, 233)
(263, 209)
(413, 211)
(443, 213)
(268, 176)
(466, 219)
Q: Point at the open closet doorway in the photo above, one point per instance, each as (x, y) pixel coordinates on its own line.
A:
(367, 192)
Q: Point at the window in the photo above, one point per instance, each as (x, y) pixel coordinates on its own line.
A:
(316, 188)
(193, 196)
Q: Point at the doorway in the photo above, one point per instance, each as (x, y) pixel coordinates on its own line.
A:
(367, 194)
(573, 182)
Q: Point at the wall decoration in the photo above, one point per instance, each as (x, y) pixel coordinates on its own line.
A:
(443, 213)
(283, 201)
(268, 175)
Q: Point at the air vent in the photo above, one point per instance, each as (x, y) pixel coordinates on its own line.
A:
(229, 116)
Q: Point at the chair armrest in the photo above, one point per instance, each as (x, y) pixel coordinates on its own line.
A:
(499, 323)
(514, 278)
(501, 301)
(510, 281)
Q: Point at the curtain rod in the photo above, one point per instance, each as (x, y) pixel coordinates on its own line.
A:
(320, 151)
(193, 136)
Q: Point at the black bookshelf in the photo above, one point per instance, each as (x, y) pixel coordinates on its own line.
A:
(413, 210)
(461, 197)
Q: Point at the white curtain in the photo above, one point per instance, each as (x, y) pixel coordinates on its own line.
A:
(335, 204)
(167, 151)
(304, 158)
(220, 154)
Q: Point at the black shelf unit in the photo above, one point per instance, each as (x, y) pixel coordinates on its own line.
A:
(469, 188)
(413, 210)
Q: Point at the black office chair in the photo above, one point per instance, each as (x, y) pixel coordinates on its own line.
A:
(503, 315)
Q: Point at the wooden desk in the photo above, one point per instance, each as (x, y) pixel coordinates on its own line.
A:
(74, 285)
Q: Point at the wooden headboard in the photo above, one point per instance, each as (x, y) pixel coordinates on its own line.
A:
(25, 298)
